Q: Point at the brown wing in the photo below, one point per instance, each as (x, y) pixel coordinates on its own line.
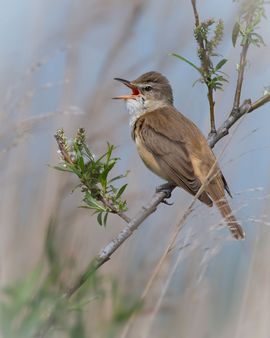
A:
(163, 136)
(182, 151)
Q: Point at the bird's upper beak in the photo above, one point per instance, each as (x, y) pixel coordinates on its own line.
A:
(134, 88)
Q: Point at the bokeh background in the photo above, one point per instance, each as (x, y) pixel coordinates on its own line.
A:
(58, 60)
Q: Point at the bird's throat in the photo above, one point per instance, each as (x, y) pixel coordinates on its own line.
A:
(135, 109)
(139, 106)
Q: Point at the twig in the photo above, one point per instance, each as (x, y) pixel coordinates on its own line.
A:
(212, 110)
(113, 210)
(114, 244)
(240, 78)
(223, 130)
(241, 69)
(246, 107)
(196, 14)
(205, 62)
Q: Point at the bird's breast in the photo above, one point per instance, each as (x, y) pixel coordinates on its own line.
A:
(148, 158)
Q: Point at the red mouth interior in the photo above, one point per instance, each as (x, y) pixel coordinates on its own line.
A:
(135, 91)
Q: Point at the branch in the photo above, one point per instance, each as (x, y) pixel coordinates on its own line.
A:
(240, 78)
(114, 244)
(245, 108)
(205, 63)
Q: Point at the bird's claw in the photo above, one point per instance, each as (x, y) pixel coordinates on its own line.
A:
(167, 189)
(166, 202)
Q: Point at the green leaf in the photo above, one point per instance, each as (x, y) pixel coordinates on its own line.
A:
(120, 191)
(235, 33)
(80, 162)
(63, 168)
(93, 203)
(103, 176)
(220, 64)
(105, 218)
(187, 61)
(88, 152)
(99, 218)
(119, 177)
(258, 40)
(109, 152)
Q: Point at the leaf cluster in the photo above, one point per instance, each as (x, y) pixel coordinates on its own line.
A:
(251, 14)
(100, 193)
(208, 35)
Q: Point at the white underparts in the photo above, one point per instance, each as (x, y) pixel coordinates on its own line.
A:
(140, 106)
(135, 109)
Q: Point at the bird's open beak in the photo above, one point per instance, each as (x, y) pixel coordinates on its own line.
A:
(135, 90)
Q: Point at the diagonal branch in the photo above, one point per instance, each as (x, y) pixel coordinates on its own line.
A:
(114, 244)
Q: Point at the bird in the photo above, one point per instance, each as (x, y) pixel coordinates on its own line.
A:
(172, 146)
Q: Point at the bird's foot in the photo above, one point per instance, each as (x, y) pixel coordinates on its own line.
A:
(166, 188)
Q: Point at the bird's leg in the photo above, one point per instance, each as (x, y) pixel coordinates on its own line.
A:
(167, 188)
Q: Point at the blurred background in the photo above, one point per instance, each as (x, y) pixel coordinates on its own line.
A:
(58, 61)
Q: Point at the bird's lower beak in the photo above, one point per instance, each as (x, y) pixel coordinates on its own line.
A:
(135, 90)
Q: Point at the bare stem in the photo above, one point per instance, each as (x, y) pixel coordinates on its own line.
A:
(112, 208)
(212, 110)
(240, 78)
(260, 102)
(114, 244)
(205, 63)
(196, 14)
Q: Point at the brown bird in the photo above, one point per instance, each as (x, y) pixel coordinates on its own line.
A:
(172, 146)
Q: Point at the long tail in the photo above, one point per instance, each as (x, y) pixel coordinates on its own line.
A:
(225, 210)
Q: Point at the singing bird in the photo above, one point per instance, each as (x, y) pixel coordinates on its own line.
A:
(172, 146)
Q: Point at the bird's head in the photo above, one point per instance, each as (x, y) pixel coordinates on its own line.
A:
(150, 91)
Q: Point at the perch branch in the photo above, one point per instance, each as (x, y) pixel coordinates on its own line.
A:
(114, 244)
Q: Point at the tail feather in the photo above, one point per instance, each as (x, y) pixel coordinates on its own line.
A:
(235, 228)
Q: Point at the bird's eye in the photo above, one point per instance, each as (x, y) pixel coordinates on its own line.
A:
(148, 88)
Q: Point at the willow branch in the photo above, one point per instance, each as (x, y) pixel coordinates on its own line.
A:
(205, 63)
(115, 243)
(246, 108)
(240, 78)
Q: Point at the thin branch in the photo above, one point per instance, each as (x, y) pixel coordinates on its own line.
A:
(260, 102)
(114, 244)
(205, 63)
(223, 130)
(240, 78)
(114, 210)
(245, 108)
(212, 110)
(196, 14)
